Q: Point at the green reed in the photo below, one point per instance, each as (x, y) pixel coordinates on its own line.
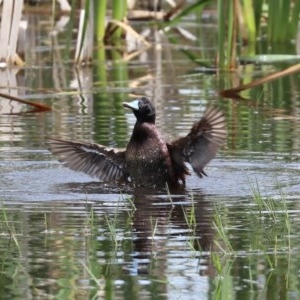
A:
(10, 228)
(238, 21)
(265, 226)
(247, 20)
(100, 15)
(113, 224)
(222, 231)
(191, 223)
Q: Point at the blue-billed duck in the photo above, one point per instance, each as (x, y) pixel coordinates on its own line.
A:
(148, 161)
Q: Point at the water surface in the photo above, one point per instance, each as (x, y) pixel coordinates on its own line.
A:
(233, 234)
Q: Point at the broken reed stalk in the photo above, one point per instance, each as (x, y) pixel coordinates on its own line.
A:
(38, 106)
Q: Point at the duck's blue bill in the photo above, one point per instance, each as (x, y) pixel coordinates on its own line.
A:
(134, 105)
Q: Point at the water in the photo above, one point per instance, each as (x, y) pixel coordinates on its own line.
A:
(231, 235)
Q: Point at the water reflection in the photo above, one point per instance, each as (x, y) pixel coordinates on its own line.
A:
(63, 234)
(159, 223)
(139, 243)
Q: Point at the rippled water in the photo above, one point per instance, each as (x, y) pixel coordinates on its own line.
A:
(233, 234)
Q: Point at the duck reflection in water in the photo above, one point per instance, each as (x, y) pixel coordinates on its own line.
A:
(148, 161)
(158, 225)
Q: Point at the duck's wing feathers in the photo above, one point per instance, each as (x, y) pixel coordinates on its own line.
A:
(204, 140)
(95, 160)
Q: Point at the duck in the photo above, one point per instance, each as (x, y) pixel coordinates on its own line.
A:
(148, 160)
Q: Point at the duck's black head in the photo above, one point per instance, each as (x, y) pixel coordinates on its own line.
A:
(143, 109)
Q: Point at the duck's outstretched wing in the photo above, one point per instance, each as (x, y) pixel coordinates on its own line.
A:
(203, 142)
(95, 160)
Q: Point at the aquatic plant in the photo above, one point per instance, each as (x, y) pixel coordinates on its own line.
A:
(275, 211)
(191, 223)
(112, 222)
(226, 246)
(9, 228)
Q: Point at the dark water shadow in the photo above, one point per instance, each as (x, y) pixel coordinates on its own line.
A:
(97, 187)
(93, 187)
